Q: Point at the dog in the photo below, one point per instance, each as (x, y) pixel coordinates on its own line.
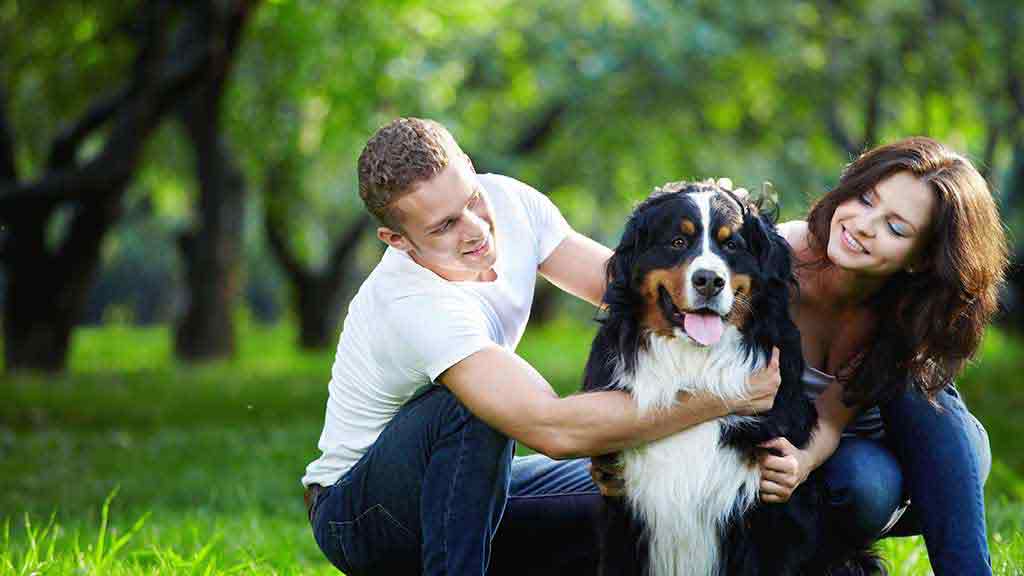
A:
(698, 295)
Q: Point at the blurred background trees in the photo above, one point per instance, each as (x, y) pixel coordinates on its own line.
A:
(184, 162)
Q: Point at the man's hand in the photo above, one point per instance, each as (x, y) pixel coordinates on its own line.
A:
(783, 468)
(762, 386)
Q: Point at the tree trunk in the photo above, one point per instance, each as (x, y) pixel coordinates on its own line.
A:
(319, 307)
(37, 329)
(212, 253)
(545, 304)
(48, 284)
(1013, 298)
(318, 296)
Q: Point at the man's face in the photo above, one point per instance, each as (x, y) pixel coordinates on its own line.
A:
(448, 225)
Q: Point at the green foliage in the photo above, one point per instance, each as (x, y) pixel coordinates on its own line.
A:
(57, 57)
(594, 102)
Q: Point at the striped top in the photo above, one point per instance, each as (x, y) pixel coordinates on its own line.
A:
(868, 424)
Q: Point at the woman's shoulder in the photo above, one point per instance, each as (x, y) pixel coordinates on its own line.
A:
(795, 233)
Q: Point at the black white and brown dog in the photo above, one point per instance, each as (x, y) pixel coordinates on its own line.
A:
(698, 295)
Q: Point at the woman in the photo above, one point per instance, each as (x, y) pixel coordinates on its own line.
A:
(899, 268)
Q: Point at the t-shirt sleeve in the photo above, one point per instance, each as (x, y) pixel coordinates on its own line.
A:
(549, 226)
(437, 331)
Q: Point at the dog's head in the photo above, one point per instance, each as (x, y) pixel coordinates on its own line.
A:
(695, 260)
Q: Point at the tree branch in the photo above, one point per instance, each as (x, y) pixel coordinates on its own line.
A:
(100, 176)
(839, 134)
(537, 133)
(344, 247)
(1016, 89)
(991, 142)
(273, 225)
(150, 27)
(65, 145)
(872, 112)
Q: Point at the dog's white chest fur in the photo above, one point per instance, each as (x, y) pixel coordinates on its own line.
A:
(684, 487)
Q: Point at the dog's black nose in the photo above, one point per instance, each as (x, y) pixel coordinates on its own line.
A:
(708, 283)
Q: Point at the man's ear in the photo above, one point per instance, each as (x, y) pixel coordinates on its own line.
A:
(394, 239)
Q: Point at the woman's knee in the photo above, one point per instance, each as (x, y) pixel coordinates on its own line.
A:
(950, 432)
(981, 446)
(865, 486)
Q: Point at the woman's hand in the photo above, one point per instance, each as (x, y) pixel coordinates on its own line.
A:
(761, 389)
(783, 468)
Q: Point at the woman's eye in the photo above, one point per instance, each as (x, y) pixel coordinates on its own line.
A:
(679, 243)
(898, 229)
(864, 199)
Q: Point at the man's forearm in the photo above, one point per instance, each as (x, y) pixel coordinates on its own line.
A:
(601, 422)
(507, 393)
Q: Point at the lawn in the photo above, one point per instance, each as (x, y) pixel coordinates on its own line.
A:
(132, 464)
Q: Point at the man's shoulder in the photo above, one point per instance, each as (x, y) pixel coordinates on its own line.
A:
(506, 186)
(398, 278)
(500, 180)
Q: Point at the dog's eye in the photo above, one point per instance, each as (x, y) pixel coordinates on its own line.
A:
(679, 242)
(731, 245)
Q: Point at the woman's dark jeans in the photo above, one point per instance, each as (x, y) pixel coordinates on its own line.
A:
(938, 459)
(430, 493)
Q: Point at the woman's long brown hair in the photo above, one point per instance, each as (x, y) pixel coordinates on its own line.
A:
(930, 321)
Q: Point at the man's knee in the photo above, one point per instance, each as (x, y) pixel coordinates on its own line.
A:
(458, 421)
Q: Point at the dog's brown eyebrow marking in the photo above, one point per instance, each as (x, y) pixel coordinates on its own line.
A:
(723, 233)
(688, 227)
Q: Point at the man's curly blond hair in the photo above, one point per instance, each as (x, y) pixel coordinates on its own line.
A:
(400, 154)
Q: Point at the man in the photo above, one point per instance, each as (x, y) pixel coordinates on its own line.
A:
(427, 395)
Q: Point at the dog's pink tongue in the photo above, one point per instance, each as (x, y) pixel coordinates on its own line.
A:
(706, 329)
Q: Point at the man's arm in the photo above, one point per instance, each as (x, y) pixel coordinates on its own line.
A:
(506, 392)
(577, 266)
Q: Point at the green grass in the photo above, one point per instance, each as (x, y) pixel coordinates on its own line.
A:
(133, 464)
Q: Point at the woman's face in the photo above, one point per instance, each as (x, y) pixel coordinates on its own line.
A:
(883, 230)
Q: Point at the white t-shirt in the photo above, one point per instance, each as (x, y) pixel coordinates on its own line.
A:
(406, 325)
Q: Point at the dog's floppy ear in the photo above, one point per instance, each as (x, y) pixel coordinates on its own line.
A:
(770, 249)
(620, 266)
(620, 333)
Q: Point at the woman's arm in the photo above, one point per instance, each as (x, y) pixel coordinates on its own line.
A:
(784, 466)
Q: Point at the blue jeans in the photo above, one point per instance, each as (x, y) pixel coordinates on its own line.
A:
(429, 496)
(939, 460)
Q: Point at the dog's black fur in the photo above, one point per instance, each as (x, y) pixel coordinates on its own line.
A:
(769, 539)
